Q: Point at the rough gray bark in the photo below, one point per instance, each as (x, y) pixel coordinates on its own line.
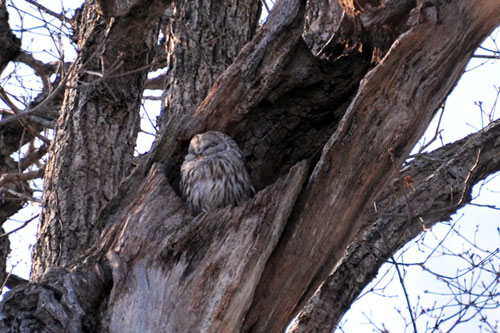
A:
(86, 166)
(448, 174)
(252, 268)
(201, 39)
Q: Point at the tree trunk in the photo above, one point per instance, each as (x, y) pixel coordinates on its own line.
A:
(201, 39)
(323, 132)
(104, 96)
(388, 115)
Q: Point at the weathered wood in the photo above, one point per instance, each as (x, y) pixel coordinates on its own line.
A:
(277, 100)
(390, 227)
(389, 113)
(198, 272)
(175, 272)
(358, 262)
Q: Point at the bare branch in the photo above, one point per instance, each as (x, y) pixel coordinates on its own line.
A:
(21, 196)
(13, 281)
(33, 157)
(31, 130)
(407, 297)
(58, 16)
(430, 174)
(42, 69)
(484, 56)
(18, 177)
(21, 227)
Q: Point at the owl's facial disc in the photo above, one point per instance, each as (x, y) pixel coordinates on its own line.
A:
(202, 145)
(194, 146)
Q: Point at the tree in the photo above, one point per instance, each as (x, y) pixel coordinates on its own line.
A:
(326, 100)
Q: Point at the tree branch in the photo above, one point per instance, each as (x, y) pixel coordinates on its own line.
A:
(58, 16)
(388, 230)
(14, 281)
(392, 109)
(19, 177)
(11, 45)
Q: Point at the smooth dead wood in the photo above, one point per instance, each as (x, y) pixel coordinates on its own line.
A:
(394, 223)
(198, 272)
(395, 102)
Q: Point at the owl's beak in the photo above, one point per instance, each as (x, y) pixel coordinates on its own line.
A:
(198, 156)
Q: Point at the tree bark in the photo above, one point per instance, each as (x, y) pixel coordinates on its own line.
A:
(202, 38)
(11, 44)
(220, 254)
(152, 266)
(86, 167)
(403, 211)
(4, 253)
(389, 113)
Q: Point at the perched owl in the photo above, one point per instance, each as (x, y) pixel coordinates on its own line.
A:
(213, 173)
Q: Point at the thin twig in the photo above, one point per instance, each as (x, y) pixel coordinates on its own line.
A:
(21, 196)
(58, 16)
(401, 281)
(33, 157)
(31, 129)
(55, 92)
(19, 228)
(484, 56)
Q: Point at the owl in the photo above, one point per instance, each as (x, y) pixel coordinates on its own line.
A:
(213, 173)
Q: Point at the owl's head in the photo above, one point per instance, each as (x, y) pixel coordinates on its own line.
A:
(210, 143)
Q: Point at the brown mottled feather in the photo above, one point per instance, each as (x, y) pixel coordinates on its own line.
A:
(213, 173)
